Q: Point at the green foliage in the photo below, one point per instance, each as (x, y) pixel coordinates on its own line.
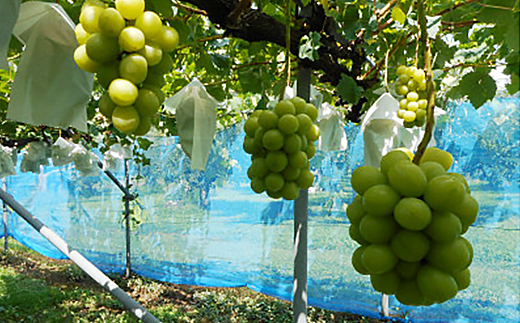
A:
(468, 40)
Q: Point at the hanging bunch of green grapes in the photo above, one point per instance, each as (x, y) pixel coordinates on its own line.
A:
(128, 49)
(411, 86)
(409, 220)
(282, 142)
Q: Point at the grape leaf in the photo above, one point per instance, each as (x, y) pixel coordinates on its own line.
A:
(478, 86)
(161, 7)
(514, 85)
(398, 15)
(250, 80)
(349, 90)
(309, 45)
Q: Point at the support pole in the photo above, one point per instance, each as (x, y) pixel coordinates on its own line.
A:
(6, 227)
(127, 223)
(79, 260)
(127, 198)
(301, 206)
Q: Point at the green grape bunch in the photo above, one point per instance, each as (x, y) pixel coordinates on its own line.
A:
(128, 49)
(409, 221)
(281, 143)
(411, 85)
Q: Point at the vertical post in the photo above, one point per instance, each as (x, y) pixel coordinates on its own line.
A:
(6, 228)
(127, 222)
(301, 206)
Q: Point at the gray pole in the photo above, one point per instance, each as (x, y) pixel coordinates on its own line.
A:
(301, 206)
(81, 261)
(127, 222)
(6, 228)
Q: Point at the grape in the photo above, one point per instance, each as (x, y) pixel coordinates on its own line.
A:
(311, 111)
(298, 159)
(407, 179)
(378, 258)
(444, 192)
(403, 78)
(167, 38)
(377, 229)
(291, 173)
(432, 169)
(412, 85)
(145, 124)
(125, 119)
(274, 194)
(437, 155)
(411, 71)
(412, 213)
(274, 182)
(391, 158)
(290, 191)
(365, 177)
(420, 117)
(259, 136)
(154, 79)
(357, 263)
(131, 39)
(268, 119)
(288, 124)
(400, 113)
(299, 104)
(444, 227)
(422, 104)
(314, 133)
(83, 61)
(401, 69)
(386, 283)
(258, 185)
(147, 103)
(149, 23)
(260, 167)
(409, 293)
(276, 161)
(463, 278)
(410, 246)
(134, 68)
(451, 256)
(467, 211)
(311, 151)
(111, 22)
(436, 285)
(81, 34)
(122, 92)
(305, 179)
(419, 76)
(249, 145)
(164, 66)
(292, 144)
(407, 270)
(403, 104)
(106, 106)
(284, 107)
(89, 18)
(130, 9)
(106, 73)
(305, 123)
(412, 106)
(409, 116)
(152, 53)
(156, 90)
(380, 200)
(462, 179)
(355, 211)
(102, 48)
(273, 139)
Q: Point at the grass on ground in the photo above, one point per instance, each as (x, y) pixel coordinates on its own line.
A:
(34, 288)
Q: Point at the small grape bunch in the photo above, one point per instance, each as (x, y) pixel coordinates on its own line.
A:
(281, 143)
(409, 220)
(128, 50)
(411, 85)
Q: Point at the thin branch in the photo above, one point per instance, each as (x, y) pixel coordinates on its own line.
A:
(454, 7)
(385, 10)
(190, 9)
(458, 24)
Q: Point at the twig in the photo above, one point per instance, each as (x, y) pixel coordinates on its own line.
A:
(385, 10)
(454, 7)
(190, 9)
(287, 71)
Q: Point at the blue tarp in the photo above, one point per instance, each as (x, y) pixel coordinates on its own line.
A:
(208, 228)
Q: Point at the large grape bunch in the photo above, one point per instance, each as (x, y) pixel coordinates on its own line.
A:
(281, 142)
(128, 50)
(411, 85)
(409, 220)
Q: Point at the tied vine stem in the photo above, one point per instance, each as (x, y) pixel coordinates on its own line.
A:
(287, 71)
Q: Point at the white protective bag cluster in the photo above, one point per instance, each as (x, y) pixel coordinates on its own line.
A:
(113, 158)
(7, 161)
(383, 131)
(49, 88)
(8, 17)
(61, 152)
(36, 154)
(195, 110)
(332, 128)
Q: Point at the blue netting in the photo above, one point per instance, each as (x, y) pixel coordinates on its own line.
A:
(209, 229)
